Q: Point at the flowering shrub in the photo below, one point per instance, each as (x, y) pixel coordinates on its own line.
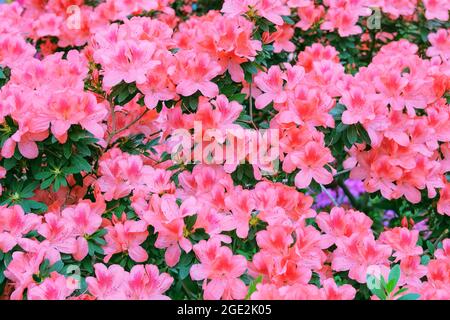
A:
(237, 149)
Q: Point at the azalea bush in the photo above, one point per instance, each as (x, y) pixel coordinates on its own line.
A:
(237, 149)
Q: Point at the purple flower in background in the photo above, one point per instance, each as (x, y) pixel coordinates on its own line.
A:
(356, 188)
(323, 200)
(388, 216)
(422, 227)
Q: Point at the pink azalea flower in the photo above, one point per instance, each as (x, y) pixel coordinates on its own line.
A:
(271, 83)
(281, 39)
(402, 241)
(14, 225)
(358, 107)
(436, 9)
(70, 108)
(272, 10)
(309, 15)
(108, 282)
(194, 73)
(59, 234)
(167, 218)
(53, 288)
(21, 270)
(14, 51)
(146, 283)
(340, 224)
(412, 271)
(241, 204)
(220, 270)
(126, 236)
(85, 222)
(25, 138)
(129, 61)
(343, 21)
(356, 254)
(444, 252)
(440, 42)
(311, 162)
(331, 291)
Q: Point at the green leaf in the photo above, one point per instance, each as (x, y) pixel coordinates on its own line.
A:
(44, 266)
(239, 97)
(93, 248)
(193, 103)
(184, 272)
(32, 204)
(250, 67)
(430, 247)
(410, 296)
(100, 241)
(10, 163)
(288, 20)
(394, 277)
(337, 111)
(56, 267)
(400, 291)
(77, 135)
(352, 135)
(67, 150)
(83, 149)
(28, 190)
(7, 259)
(252, 287)
(190, 221)
(57, 184)
(362, 133)
(36, 278)
(42, 175)
(99, 233)
(379, 293)
(341, 127)
(80, 163)
(46, 183)
(425, 260)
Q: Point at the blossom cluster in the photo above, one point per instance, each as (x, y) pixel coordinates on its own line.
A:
(115, 117)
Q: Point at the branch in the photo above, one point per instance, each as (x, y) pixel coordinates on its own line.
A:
(115, 132)
(336, 204)
(132, 122)
(113, 119)
(353, 201)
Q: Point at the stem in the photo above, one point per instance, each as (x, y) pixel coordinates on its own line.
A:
(329, 195)
(342, 172)
(442, 236)
(436, 242)
(372, 44)
(132, 122)
(188, 291)
(113, 119)
(115, 132)
(251, 104)
(351, 198)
